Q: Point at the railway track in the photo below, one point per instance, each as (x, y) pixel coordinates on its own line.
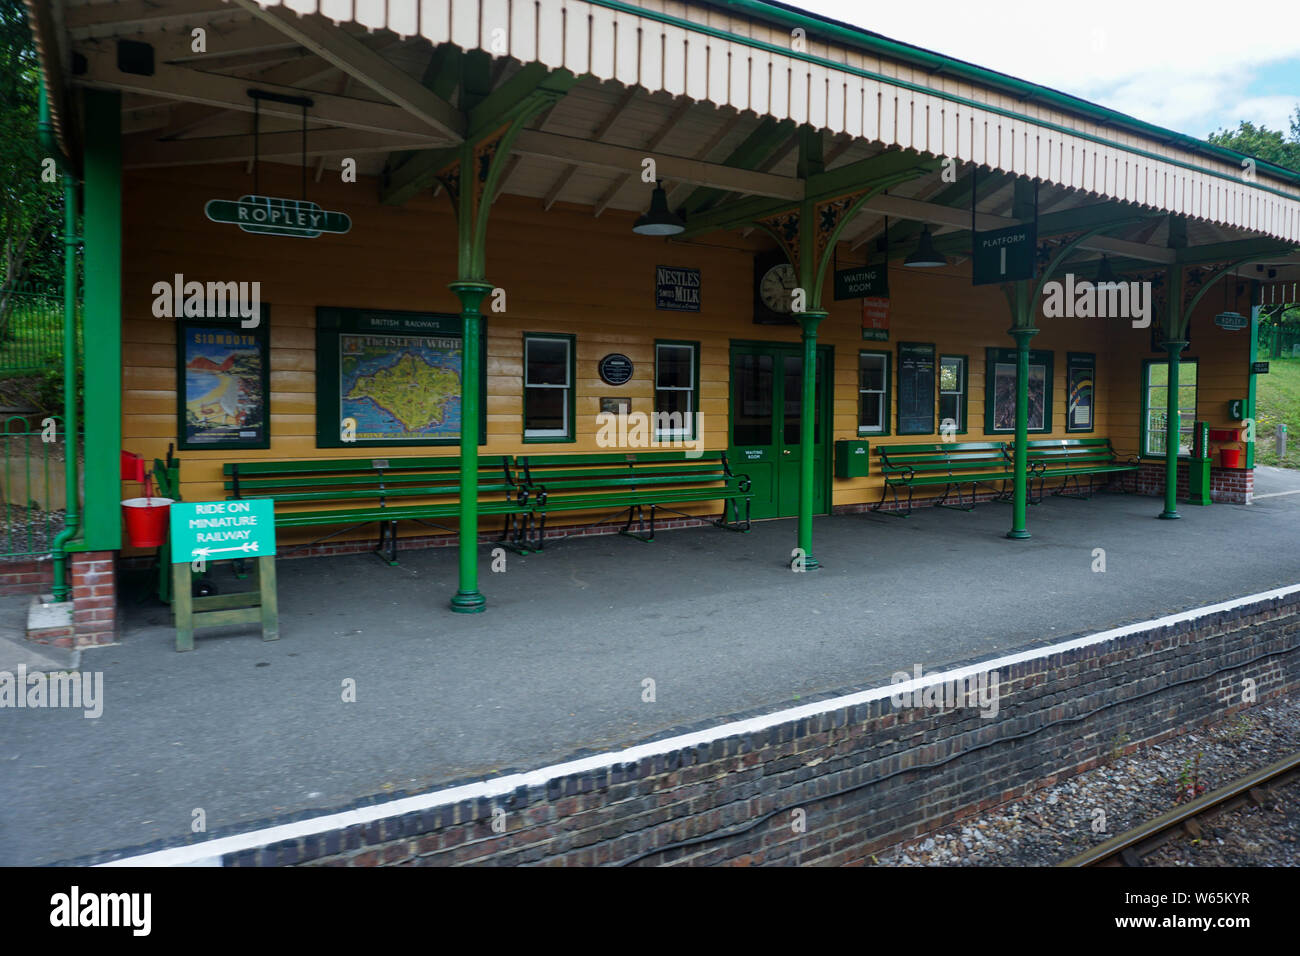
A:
(1129, 849)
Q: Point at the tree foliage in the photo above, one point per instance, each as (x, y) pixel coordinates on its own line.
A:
(1272, 146)
(30, 208)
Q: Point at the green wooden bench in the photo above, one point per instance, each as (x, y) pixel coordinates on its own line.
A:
(950, 465)
(632, 482)
(383, 490)
(1073, 459)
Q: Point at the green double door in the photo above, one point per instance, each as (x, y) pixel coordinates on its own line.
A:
(766, 402)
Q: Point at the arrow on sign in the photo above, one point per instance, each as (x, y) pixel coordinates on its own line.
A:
(248, 546)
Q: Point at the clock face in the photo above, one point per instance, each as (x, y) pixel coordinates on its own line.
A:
(776, 286)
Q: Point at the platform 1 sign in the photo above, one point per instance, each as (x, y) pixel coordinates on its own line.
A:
(222, 530)
(1004, 255)
(274, 216)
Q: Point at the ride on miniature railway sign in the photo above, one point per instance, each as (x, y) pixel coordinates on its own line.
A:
(274, 216)
(203, 531)
(222, 530)
(1004, 255)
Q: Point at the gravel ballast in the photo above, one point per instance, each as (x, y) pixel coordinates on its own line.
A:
(1066, 818)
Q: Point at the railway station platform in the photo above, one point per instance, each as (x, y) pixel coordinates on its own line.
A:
(250, 731)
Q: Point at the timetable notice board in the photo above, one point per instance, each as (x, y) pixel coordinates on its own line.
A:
(916, 369)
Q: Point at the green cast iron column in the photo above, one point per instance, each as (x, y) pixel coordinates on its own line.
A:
(1172, 429)
(1022, 332)
(1174, 344)
(72, 515)
(102, 319)
(467, 599)
(807, 424)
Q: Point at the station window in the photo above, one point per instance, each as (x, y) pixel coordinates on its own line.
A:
(677, 385)
(952, 392)
(1155, 406)
(548, 387)
(873, 393)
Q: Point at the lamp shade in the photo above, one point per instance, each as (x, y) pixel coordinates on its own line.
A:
(1105, 273)
(659, 220)
(924, 256)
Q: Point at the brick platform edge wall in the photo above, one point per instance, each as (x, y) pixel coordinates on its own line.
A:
(33, 575)
(865, 772)
(1233, 486)
(94, 597)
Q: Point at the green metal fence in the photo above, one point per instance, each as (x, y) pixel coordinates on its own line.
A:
(31, 328)
(32, 485)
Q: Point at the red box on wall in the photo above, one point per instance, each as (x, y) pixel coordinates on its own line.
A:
(132, 467)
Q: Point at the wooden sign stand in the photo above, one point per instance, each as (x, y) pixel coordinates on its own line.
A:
(245, 607)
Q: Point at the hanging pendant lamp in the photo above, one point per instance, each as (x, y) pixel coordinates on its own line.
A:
(659, 220)
(924, 255)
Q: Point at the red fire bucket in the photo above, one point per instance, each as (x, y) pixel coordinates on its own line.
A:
(146, 521)
(1231, 457)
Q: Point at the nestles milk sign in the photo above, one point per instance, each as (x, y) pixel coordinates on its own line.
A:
(677, 290)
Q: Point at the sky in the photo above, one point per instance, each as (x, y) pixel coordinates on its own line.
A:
(1188, 65)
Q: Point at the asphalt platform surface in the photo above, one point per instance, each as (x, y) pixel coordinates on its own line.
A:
(251, 731)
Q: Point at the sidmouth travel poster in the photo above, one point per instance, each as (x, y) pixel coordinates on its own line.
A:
(223, 402)
(400, 387)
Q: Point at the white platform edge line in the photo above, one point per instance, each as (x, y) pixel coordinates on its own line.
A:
(211, 852)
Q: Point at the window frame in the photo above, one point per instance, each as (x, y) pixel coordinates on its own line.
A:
(887, 360)
(999, 356)
(964, 426)
(539, 436)
(1145, 385)
(694, 390)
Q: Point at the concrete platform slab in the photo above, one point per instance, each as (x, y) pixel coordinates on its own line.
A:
(249, 731)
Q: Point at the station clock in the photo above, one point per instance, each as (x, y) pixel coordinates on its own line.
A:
(774, 281)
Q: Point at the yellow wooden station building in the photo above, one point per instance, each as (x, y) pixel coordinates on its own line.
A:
(462, 267)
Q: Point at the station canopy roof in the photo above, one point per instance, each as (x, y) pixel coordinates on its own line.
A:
(715, 91)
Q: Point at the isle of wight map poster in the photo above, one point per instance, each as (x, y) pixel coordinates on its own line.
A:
(400, 388)
(223, 386)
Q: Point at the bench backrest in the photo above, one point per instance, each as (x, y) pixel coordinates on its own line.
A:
(369, 479)
(941, 457)
(622, 471)
(1068, 451)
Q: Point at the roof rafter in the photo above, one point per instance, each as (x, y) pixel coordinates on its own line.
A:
(602, 130)
(675, 117)
(143, 150)
(228, 92)
(353, 57)
(486, 109)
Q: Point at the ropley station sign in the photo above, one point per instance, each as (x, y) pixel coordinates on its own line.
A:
(274, 216)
